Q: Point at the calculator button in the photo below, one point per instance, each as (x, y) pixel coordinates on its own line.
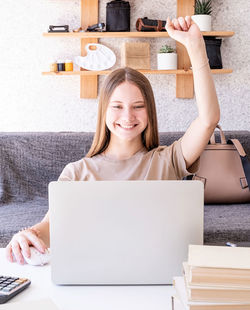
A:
(6, 289)
(11, 286)
(23, 280)
(5, 283)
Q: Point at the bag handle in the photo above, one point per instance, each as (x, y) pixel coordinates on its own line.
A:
(238, 146)
(243, 157)
(222, 136)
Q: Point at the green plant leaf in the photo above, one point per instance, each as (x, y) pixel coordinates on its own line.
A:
(166, 49)
(203, 7)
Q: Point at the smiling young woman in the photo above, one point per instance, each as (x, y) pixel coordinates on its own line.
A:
(126, 143)
(125, 88)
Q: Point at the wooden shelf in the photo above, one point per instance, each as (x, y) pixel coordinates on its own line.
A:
(105, 72)
(89, 79)
(137, 34)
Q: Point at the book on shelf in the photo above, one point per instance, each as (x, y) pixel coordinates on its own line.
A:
(181, 301)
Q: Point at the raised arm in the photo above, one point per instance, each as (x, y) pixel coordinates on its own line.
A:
(197, 135)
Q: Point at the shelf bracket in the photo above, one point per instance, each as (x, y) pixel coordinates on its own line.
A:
(89, 16)
(184, 83)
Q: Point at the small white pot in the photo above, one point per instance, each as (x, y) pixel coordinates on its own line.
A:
(204, 22)
(167, 61)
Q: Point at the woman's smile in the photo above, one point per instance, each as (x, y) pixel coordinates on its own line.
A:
(127, 127)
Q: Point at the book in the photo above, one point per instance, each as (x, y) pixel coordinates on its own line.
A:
(181, 300)
(207, 276)
(219, 256)
(40, 304)
(218, 294)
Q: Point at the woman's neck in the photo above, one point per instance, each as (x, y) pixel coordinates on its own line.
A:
(123, 149)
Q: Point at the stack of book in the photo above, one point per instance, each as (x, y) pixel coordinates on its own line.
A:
(215, 278)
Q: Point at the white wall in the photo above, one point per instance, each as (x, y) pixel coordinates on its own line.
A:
(32, 102)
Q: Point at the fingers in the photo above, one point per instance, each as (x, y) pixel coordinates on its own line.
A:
(177, 24)
(24, 244)
(188, 20)
(19, 246)
(17, 252)
(180, 23)
(8, 253)
(35, 241)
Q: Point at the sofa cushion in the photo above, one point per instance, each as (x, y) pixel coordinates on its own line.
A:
(224, 223)
(29, 161)
(16, 216)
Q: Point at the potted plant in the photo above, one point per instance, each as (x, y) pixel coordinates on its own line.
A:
(167, 58)
(202, 14)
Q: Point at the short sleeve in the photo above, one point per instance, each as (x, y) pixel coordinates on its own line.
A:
(68, 173)
(179, 161)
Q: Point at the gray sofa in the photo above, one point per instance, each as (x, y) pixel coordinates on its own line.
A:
(29, 161)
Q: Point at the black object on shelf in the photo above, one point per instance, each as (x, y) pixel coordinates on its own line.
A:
(213, 52)
(96, 27)
(60, 66)
(64, 28)
(118, 16)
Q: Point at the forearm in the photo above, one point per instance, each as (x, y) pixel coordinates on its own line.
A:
(206, 97)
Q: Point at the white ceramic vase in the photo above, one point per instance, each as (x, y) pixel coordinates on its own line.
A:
(204, 22)
(167, 61)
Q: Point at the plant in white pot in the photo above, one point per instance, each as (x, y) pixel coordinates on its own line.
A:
(202, 14)
(167, 58)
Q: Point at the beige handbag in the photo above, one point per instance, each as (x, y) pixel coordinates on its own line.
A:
(225, 171)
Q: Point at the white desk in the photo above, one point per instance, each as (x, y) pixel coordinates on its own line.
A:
(86, 297)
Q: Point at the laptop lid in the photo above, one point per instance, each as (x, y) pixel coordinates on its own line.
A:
(123, 232)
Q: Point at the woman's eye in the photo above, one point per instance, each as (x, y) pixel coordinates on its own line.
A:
(139, 106)
(116, 107)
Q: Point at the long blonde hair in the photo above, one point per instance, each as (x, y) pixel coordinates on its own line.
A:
(150, 137)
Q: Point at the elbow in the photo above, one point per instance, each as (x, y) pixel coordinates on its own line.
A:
(213, 120)
(216, 120)
(211, 125)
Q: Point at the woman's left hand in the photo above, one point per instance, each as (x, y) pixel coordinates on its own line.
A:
(184, 30)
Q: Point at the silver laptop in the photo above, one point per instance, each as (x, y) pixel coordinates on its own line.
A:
(123, 232)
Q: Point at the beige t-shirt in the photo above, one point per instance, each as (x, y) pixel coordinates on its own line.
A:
(161, 163)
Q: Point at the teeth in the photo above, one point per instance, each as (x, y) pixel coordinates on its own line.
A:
(127, 127)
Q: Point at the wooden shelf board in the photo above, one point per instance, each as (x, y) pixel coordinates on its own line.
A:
(136, 34)
(104, 72)
(218, 33)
